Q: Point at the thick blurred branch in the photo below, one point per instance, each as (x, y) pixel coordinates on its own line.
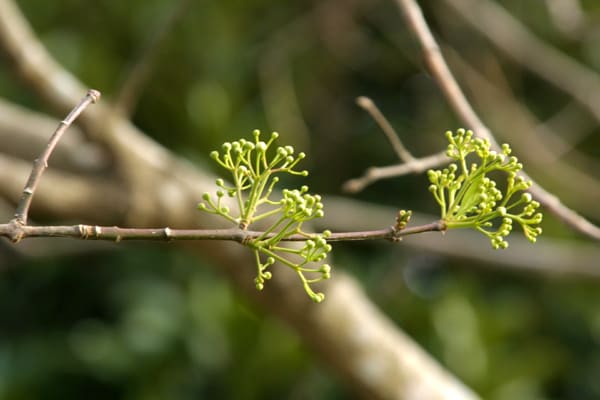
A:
(65, 195)
(567, 15)
(516, 41)
(23, 132)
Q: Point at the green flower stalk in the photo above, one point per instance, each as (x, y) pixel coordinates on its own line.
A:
(469, 198)
(253, 167)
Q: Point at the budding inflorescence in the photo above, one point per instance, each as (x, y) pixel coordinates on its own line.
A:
(469, 198)
(253, 167)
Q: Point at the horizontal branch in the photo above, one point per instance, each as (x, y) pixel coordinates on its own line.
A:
(16, 232)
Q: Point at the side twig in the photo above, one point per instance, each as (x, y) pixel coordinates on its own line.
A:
(41, 163)
(415, 166)
(411, 164)
(369, 106)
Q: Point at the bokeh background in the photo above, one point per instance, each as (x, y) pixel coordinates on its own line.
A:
(149, 321)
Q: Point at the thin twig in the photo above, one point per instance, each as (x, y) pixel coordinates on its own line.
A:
(41, 163)
(369, 106)
(116, 234)
(441, 73)
(415, 166)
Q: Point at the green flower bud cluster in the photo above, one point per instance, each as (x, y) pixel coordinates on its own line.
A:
(468, 198)
(253, 165)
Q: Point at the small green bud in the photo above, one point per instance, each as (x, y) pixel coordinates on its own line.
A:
(214, 154)
(317, 297)
(206, 196)
(267, 275)
(261, 147)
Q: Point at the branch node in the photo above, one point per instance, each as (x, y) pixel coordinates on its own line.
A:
(94, 95)
(16, 230)
(83, 231)
(245, 239)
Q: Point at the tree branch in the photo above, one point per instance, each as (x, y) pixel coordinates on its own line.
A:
(369, 106)
(40, 164)
(415, 166)
(16, 232)
(441, 73)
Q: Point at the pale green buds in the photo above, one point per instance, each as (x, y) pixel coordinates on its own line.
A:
(253, 165)
(470, 199)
